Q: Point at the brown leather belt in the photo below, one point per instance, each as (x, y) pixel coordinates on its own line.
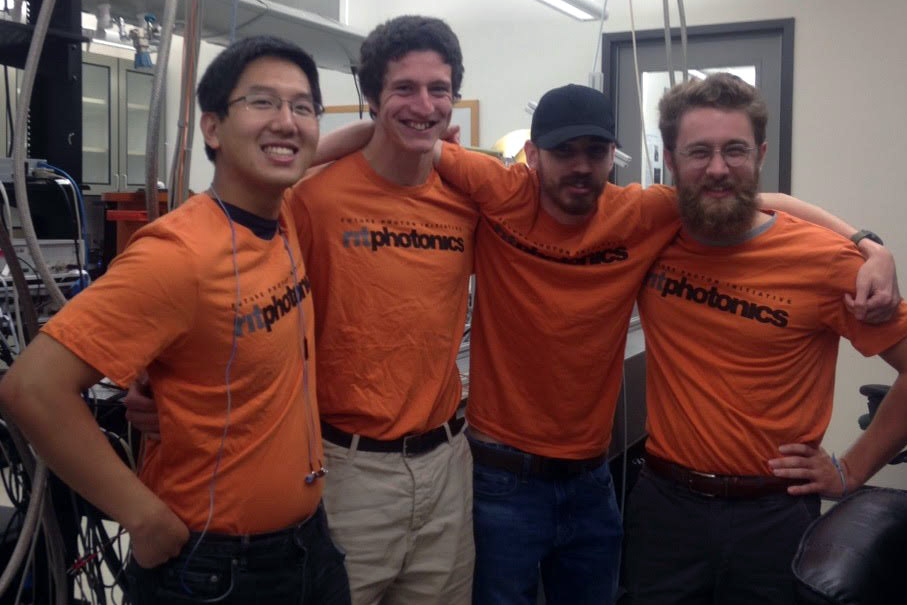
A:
(731, 487)
(524, 463)
(409, 445)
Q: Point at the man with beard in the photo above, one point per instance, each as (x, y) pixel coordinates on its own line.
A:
(742, 316)
(558, 266)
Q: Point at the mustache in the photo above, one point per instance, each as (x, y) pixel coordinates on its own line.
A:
(724, 183)
(577, 180)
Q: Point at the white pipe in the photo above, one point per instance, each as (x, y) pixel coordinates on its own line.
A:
(39, 478)
(19, 333)
(683, 39)
(29, 526)
(19, 132)
(154, 114)
(670, 60)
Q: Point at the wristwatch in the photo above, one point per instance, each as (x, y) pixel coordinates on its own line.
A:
(856, 237)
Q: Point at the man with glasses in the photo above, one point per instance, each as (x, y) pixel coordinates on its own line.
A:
(559, 263)
(214, 300)
(389, 250)
(742, 316)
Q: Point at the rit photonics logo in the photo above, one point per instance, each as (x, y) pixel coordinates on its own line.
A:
(415, 239)
(713, 298)
(281, 304)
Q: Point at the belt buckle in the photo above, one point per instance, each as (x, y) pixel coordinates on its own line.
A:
(415, 440)
(693, 476)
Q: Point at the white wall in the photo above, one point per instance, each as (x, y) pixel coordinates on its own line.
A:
(849, 128)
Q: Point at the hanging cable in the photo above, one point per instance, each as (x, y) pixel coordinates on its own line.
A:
(81, 207)
(182, 156)
(26, 316)
(152, 146)
(670, 60)
(235, 5)
(355, 73)
(598, 42)
(9, 111)
(626, 421)
(36, 468)
(19, 149)
(637, 76)
(683, 39)
(31, 554)
(29, 527)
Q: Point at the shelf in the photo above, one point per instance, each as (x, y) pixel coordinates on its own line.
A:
(15, 39)
(331, 44)
(95, 150)
(94, 101)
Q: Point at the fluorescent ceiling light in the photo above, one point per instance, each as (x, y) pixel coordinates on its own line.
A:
(584, 10)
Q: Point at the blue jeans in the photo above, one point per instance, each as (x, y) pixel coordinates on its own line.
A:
(296, 566)
(567, 530)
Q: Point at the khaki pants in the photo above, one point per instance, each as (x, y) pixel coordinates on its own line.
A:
(405, 523)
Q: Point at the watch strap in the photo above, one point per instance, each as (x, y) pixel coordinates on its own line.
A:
(865, 233)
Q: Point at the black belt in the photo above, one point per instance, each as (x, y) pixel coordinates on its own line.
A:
(524, 463)
(732, 487)
(408, 445)
(263, 542)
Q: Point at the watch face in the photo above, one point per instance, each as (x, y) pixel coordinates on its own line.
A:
(868, 235)
(874, 237)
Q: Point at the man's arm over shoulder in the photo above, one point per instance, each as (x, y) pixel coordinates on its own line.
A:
(876, 294)
(490, 183)
(40, 394)
(347, 139)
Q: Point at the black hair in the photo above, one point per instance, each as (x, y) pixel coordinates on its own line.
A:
(399, 36)
(223, 73)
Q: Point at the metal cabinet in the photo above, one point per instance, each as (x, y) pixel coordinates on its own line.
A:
(116, 100)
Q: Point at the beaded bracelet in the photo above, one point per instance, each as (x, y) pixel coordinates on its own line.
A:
(840, 470)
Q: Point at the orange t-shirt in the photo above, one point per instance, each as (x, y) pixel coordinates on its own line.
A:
(742, 343)
(389, 268)
(553, 304)
(167, 304)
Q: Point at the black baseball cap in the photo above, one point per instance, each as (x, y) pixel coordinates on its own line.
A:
(571, 111)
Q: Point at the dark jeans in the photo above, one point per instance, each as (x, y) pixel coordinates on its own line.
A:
(297, 566)
(568, 530)
(687, 549)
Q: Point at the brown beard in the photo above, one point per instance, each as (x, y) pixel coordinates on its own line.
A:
(719, 222)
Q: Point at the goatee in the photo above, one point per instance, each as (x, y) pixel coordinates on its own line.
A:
(719, 220)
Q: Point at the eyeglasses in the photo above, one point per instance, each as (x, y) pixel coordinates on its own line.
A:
(733, 155)
(265, 103)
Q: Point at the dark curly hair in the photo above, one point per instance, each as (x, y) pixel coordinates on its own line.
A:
(720, 91)
(399, 36)
(224, 72)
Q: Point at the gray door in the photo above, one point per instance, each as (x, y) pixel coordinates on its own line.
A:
(761, 53)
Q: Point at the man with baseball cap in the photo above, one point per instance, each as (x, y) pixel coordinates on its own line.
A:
(571, 111)
(558, 266)
(559, 258)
